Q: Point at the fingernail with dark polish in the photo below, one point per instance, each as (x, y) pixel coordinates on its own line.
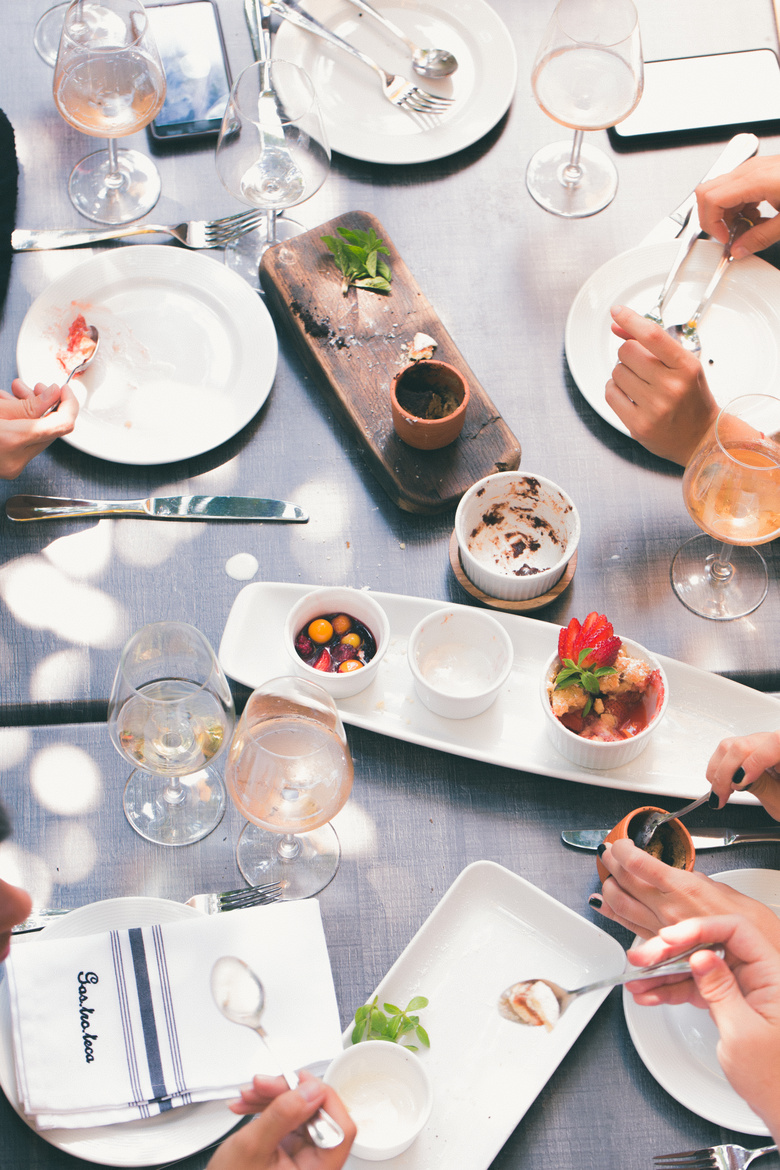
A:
(714, 800)
(596, 901)
(738, 776)
(601, 849)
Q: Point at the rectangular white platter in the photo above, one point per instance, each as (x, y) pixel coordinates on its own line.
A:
(703, 707)
(491, 929)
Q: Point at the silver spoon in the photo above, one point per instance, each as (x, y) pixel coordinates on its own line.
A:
(644, 836)
(91, 332)
(549, 1012)
(239, 995)
(688, 333)
(427, 62)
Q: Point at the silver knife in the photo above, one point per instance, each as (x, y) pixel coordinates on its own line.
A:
(738, 150)
(590, 839)
(156, 507)
(37, 920)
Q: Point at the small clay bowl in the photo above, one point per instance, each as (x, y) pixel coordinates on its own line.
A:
(417, 393)
(676, 845)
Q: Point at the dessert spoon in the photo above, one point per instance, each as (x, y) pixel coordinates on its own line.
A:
(91, 332)
(679, 965)
(426, 62)
(644, 836)
(688, 332)
(240, 996)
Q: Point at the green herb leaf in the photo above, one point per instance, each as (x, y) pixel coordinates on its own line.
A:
(415, 1004)
(391, 1024)
(422, 1036)
(357, 256)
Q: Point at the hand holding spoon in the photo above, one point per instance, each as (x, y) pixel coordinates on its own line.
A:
(643, 837)
(540, 1001)
(91, 332)
(239, 995)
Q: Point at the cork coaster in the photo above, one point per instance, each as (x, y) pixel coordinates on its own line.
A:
(499, 603)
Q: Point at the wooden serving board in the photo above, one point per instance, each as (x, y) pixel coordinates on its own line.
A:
(356, 343)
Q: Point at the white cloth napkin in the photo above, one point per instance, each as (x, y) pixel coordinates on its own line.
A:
(118, 1026)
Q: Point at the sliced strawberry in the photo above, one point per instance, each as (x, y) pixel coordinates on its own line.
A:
(603, 653)
(594, 629)
(566, 639)
(323, 662)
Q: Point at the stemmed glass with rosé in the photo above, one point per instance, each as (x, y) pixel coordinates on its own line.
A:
(731, 488)
(289, 771)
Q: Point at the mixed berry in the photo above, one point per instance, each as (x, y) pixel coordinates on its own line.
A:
(335, 643)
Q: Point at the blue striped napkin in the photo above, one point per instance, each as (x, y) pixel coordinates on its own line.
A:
(120, 1026)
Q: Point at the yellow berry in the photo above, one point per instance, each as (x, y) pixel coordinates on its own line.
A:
(352, 639)
(320, 631)
(342, 623)
(350, 664)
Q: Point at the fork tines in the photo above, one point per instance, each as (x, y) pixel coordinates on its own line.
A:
(251, 896)
(221, 231)
(687, 1160)
(411, 97)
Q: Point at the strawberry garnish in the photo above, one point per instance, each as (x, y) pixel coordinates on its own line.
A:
(567, 638)
(323, 662)
(587, 652)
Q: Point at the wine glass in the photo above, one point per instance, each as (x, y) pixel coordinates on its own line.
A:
(108, 82)
(48, 30)
(588, 75)
(289, 771)
(731, 488)
(171, 714)
(272, 153)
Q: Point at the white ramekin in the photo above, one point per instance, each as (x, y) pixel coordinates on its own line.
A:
(453, 641)
(358, 603)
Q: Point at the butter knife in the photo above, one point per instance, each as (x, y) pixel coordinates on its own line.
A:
(590, 839)
(157, 508)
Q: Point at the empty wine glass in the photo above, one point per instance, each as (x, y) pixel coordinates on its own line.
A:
(289, 771)
(171, 714)
(588, 75)
(109, 82)
(272, 153)
(731, 488)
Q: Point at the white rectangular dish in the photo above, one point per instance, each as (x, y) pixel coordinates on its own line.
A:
(491, 929)
(703, 707)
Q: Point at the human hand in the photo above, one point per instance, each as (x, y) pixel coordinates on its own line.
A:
(644, 894)
(748, 761)
(739, 192)
(275, 1140)
(25, 427)
(658, 389)
(742, 994)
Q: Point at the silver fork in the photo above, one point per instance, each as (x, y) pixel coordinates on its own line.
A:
(397, 89)
(196, 233)
(728, 1157)
(206, 903)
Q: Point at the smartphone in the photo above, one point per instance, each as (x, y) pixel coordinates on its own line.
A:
(699, 93)
(190, 42)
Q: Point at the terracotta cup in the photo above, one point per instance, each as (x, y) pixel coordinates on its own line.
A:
(428, 434)
(678, 845)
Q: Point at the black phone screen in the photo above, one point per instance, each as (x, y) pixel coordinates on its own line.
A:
(189, 39)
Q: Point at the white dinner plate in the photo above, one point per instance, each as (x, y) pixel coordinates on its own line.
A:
(678, 1044)
(360, 122)
(703, 708)
(491, 929)
(740, 332)
(172, 1135)
(187, 352)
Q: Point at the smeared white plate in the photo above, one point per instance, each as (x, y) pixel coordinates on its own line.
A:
(678, 1044)
(187, 352)
(360, 122)
(740, 332)
(172, 1135)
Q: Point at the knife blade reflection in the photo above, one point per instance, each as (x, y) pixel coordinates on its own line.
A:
(158, 508)
(590, 839)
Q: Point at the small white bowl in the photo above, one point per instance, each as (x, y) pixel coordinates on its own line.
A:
(340, 599)
(594, 753)
(460, 659)
(516, 534)
(388, 1093)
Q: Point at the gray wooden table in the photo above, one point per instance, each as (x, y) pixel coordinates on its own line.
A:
(502, 274)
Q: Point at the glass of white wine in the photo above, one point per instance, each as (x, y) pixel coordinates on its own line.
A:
(272, 153)
(289, 771)
(109, 81)
(171, 714)
(731, 488)
(587, 74)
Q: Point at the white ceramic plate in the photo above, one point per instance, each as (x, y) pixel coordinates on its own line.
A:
(360, 122)
(678, 1044)
(703, 708)
(169, 1136)
(740, 332)
(187, 352)
(491, 929)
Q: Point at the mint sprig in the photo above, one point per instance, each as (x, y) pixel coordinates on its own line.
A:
(358, 258)
(371, 1023)
(575, 673)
